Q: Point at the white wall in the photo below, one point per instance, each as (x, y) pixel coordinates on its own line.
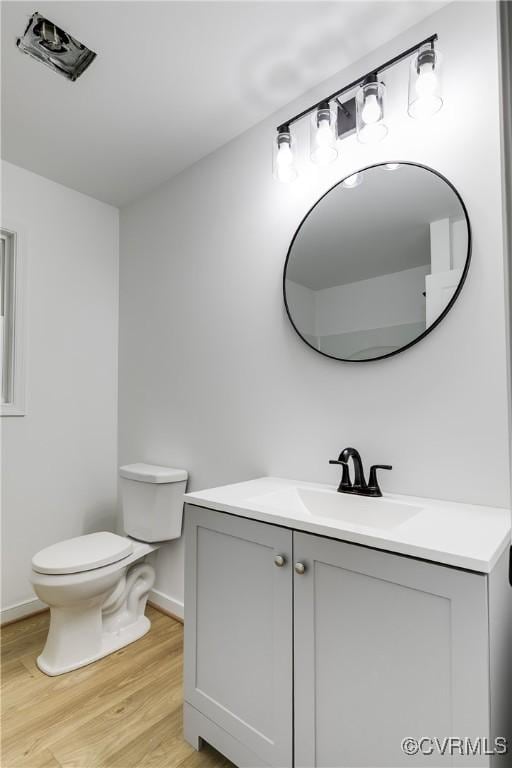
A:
(378, 315)
(60, 459)
(302, 305)
(214, 378)
(345, 321)
(359, 306)
(374, 303)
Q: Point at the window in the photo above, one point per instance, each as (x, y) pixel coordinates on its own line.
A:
(11, 332)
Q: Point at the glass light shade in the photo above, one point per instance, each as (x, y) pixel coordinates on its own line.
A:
(283, 158)
(425, 95)
(322, 136)
(370, 112)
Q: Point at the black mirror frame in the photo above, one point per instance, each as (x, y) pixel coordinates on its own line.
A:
(448, 306)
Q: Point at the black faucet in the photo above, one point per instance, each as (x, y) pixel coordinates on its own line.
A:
(359, 487)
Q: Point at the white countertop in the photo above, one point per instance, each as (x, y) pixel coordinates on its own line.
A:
(460, 535)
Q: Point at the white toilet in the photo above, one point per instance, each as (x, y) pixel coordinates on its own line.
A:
(97, 585)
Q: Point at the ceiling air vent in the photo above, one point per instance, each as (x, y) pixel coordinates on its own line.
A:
(46, 42)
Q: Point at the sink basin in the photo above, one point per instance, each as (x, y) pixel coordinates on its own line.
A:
(379, 513)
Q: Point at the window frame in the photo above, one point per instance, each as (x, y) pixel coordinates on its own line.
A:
(16, 405)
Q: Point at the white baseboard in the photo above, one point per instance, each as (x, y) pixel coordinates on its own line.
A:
(19, 610)
(33, 605)
(166, 603)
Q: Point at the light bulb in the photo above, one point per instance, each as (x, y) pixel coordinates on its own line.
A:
(426, 84)
(322, 143)
(284, 157)
(392, 166)
(286, 171)
(372, 112)
(425, 96)
(323, 133)
(352, 181)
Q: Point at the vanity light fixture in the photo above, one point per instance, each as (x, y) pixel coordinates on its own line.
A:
(370, 110)
(285, 169)
(322, 136)
(333, 119)
(425, 98)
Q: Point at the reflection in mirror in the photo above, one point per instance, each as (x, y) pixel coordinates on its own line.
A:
(377, 262)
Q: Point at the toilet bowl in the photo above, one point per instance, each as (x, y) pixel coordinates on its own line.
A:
(96, 610)
(97, 585)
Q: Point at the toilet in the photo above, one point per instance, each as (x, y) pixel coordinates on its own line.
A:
(97, 585)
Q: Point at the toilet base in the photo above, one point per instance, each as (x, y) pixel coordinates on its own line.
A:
(93, 613)
(111, 641)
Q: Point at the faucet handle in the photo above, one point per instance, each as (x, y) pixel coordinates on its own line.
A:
(373, 483)
(345, 483)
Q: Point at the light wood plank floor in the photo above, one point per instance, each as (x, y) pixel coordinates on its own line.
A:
(124, 711)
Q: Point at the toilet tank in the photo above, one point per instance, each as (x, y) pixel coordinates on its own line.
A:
(152, 501)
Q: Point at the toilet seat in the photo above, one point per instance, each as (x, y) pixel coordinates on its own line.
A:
(82, 553)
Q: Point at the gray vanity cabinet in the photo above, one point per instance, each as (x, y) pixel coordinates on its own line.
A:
(238, 637)
(332, 664)
(386, 647)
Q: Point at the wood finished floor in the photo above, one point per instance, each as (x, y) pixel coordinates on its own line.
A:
(124, 711)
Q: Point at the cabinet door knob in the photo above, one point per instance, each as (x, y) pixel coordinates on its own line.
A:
(300, 568)
(279, 560)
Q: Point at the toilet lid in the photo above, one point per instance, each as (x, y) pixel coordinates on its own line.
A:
(82, 553)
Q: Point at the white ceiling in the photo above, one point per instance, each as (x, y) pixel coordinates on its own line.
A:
(172, 81)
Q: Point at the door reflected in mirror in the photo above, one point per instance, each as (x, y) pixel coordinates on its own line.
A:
(377, 262)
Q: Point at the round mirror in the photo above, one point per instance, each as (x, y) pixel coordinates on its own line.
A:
(377, 262)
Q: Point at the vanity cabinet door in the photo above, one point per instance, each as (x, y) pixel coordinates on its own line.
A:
(386, 647)
(238, 634)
